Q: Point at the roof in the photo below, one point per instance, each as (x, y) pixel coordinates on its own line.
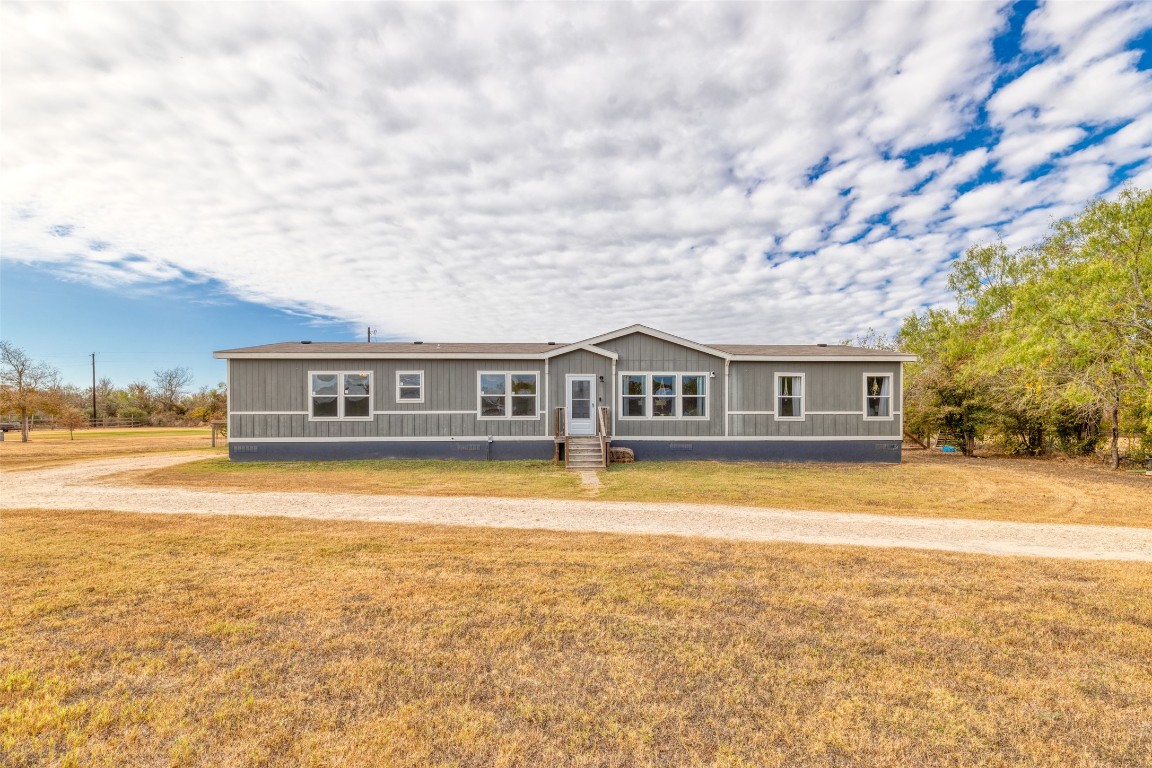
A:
(416, 349)
(542, 350)
(800, 350)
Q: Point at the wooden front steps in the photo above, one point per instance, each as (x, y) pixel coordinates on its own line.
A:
(584, 453)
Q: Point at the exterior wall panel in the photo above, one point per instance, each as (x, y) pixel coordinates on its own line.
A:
(833, 400)
(262, 391)
(642, 353)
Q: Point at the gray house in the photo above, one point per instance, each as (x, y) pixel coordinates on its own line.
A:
(662, 396)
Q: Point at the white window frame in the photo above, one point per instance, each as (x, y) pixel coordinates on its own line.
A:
(776, 396)
(340, 396)
(401, 401)
(678, 398)
(891, 396)
(507, 396)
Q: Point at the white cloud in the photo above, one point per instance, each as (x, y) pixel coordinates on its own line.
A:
(487, 171)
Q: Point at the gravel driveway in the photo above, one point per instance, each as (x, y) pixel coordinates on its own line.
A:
(85, 486)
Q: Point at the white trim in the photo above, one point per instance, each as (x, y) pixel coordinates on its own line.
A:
(755, 438)
(727, 398)
(900, 412)
(402, 373)
(776, 396)
(614, 408)
(593, 414)
(375, 356)
(228, 398)
(638, 328)
(563, 350)
(423, 413)
(469, 439)
(649, 394)
(824, 358)
(507, 396)
(340, 396)
(806, 413)
(620, 438)
(374, 413)
(891, 392)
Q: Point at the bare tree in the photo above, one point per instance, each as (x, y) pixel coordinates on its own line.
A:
(170, 386)
(25, 384)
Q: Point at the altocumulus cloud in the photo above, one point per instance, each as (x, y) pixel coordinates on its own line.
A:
(778, 172)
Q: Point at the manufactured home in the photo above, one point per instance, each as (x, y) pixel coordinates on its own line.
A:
(662, 396)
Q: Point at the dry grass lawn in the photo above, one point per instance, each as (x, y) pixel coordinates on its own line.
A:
(1040, 491)
(52, 447)
(155, 640)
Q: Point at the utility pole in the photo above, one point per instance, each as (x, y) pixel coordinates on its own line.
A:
(93, 389)
(370, 332)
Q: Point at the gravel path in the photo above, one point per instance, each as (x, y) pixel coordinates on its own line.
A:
(85, 486)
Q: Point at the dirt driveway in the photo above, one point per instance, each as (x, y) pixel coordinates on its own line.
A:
(87, 486)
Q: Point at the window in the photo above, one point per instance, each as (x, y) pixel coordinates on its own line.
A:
(635, 390)
(692, 396)
(409, 386)
(877, 396)
(508, 395)
(790, 396)
(340, 395)
(664, 396)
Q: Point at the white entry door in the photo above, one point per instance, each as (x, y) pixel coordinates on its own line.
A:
(581, 404)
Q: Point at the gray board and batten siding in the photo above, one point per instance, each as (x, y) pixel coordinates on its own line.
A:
(641, 353)
(269, 400)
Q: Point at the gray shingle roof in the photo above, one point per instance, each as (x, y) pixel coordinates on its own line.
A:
(354, 348)
(801, 350)
(427, 349)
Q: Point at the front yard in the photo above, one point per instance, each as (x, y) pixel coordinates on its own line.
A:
(191, 641)
(923, 485)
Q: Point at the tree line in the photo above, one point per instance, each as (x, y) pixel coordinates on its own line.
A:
(32, 390)
(1049, 346)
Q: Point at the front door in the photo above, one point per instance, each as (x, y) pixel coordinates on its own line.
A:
(581, 405)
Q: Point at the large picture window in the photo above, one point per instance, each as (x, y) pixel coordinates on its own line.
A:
(877, 396)
(789, 396)
(340, 395)
(508, 395)
(664, 396)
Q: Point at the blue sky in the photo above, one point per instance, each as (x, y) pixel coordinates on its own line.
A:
(179, 178)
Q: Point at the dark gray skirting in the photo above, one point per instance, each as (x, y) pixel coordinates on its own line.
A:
(472, 450)
(879, 450)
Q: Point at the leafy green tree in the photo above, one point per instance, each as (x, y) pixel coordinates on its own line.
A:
(1083, 319)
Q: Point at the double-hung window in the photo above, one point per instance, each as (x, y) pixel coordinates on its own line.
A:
(409, 386)
(508, 395)
(340, 395)
(877, 396)
(664, 396)
(789, 396)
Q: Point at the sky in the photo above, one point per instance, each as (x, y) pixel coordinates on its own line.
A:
(177, 178)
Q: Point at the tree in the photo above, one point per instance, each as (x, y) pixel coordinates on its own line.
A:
(25, 384)
(1084, 318)
(210, 403)
(170, 386)
(72, 419)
